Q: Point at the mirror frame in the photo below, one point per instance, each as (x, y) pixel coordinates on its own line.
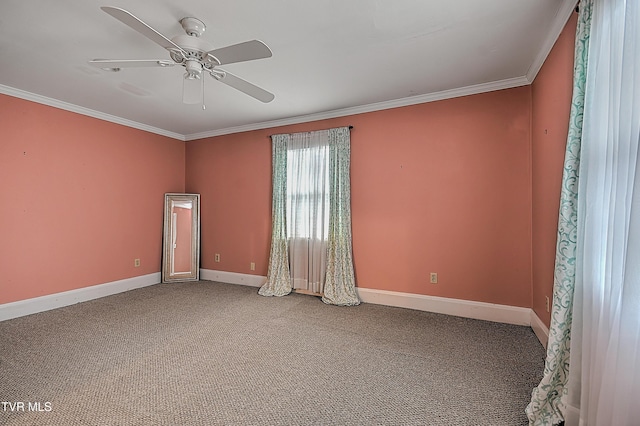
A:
(194, 273)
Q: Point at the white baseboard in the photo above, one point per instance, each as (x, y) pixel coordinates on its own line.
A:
(232, 277)
(539, 328)
(462, 308)
(71, 297)
(442, 305)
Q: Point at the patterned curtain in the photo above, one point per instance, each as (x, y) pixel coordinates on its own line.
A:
(278, 276)
(340, 283)
(549, 399)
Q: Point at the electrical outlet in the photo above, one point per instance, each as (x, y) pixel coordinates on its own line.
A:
(136, 262)
(253, 266)
(217, 257)
(546, 298)
(433, 278)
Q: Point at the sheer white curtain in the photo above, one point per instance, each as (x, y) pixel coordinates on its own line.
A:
(308, 209)
(604, 372)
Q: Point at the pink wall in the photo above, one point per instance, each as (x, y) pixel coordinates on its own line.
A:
(551, 96)
(439, 187)
(444, 187)
(456, 187)
(232, 174)
(82, 198)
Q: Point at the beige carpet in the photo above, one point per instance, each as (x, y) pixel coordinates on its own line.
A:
(208, 353)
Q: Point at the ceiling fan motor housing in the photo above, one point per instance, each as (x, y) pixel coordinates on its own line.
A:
(195, 48)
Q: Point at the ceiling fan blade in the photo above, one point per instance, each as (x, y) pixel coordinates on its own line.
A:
(128, 19)
(247, 51)
(130, 63)
(244, 86)
(192, 91)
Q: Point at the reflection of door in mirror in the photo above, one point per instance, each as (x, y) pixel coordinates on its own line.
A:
(181, 238)
(181, 251)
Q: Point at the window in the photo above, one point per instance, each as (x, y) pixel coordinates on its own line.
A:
(308, 189)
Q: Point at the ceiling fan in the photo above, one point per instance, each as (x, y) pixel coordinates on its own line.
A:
(196, 55)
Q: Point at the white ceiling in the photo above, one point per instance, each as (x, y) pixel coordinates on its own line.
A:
(330, 57)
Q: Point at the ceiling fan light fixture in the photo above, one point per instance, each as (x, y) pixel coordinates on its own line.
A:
(194, 69)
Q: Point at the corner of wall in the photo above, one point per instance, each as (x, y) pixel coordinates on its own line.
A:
(539, 328)
(531, 245)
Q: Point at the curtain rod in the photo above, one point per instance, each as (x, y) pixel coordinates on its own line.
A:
(350, 128)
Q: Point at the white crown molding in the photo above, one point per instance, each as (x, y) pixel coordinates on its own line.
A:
(378, 106)
(564, 13)
(71, 297)
(17, 93)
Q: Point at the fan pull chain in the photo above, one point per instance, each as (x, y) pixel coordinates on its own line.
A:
(204, 107)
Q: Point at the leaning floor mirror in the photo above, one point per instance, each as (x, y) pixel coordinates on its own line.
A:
(181, 242)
